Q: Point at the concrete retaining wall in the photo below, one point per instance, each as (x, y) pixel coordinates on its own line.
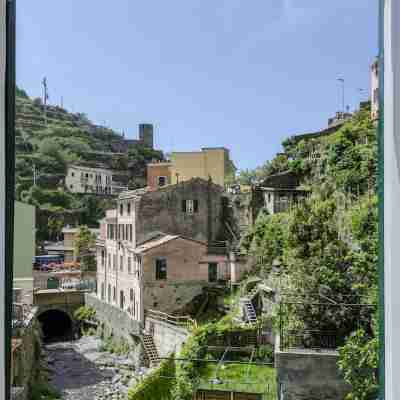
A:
(167, 337)
(309, 375)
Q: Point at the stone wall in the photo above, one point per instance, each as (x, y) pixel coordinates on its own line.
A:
(169, 297)
(119, 321)
(161, 211)
(167, 337)
(309, 375)
(26, 357)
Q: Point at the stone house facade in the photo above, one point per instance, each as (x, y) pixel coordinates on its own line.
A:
(81, 179)
(153, 250)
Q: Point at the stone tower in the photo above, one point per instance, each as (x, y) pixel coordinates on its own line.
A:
(146, 135)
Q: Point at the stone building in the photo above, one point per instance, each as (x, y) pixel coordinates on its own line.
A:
(100, 181)
(211, 162)
(281, 192)
(155, 251)
(375, 90)
(146, 139)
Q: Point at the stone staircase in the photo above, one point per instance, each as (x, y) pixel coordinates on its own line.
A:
(250, 311)
(150, 349)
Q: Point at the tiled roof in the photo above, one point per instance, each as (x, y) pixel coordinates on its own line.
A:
(160, 240)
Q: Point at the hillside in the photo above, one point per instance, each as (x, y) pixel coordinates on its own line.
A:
(47, 142)
(325, 250)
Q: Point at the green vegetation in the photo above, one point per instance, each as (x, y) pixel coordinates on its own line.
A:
(84, 244)
(43, 390)
(327, 247)
(240, 378)
(116, 346)
(156, 385)
(46, 145)
(85, 313)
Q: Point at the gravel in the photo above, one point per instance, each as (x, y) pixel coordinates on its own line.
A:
(81, 372)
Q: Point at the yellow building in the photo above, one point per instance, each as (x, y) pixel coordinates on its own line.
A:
(211, 162)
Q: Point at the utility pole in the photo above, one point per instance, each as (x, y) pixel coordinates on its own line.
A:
(45, 98)
(342, 82)
(34, 174)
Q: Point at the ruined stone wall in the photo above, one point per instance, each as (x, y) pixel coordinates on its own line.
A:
(161, 211)
(309, 375)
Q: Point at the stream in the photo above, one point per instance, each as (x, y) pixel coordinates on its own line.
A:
(80, 370)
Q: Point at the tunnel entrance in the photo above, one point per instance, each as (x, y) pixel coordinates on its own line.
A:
(56, 326)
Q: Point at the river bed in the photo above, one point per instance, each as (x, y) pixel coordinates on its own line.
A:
(80, 370)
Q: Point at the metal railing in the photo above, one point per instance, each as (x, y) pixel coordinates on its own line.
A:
(183, 321)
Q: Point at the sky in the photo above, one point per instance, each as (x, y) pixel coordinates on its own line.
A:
(235, 73)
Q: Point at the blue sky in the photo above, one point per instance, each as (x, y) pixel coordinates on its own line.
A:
(234, 73)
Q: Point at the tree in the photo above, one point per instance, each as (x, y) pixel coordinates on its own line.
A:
(84, 244)
(358, 360)
(55, 225)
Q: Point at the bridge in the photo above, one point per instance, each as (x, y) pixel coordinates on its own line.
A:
(56, 309)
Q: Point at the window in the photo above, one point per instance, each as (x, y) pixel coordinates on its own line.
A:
(130, 233)
(190, 206)
(128, 209)
(109, 262)
(114, 293)
(102, 258)
(121, 209)
(102, 290)
(162, 180)
(126, 232)
(109, 293)
(131, 294)
(129, 265)
(121, 263)
(161, 269)
(269, 197)
(212, 272)
(114, 262)
(72, 174)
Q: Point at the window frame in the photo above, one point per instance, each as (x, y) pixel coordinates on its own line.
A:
(161, 275)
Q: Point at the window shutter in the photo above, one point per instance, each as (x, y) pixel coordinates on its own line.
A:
(195, 206)
(184, 206)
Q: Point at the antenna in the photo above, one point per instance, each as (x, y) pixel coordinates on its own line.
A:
(342, 84)
(45, 98)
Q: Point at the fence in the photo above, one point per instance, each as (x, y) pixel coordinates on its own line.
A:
(181, 321)
(321, 326)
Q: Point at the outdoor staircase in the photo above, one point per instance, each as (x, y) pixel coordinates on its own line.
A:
(250, 311)
(150, 349)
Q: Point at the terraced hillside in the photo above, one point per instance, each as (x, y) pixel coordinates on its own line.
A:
(50, 138)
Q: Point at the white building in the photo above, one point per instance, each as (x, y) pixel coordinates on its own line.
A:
(99, 181)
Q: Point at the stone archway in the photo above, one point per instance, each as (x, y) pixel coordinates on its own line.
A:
(56, 325)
